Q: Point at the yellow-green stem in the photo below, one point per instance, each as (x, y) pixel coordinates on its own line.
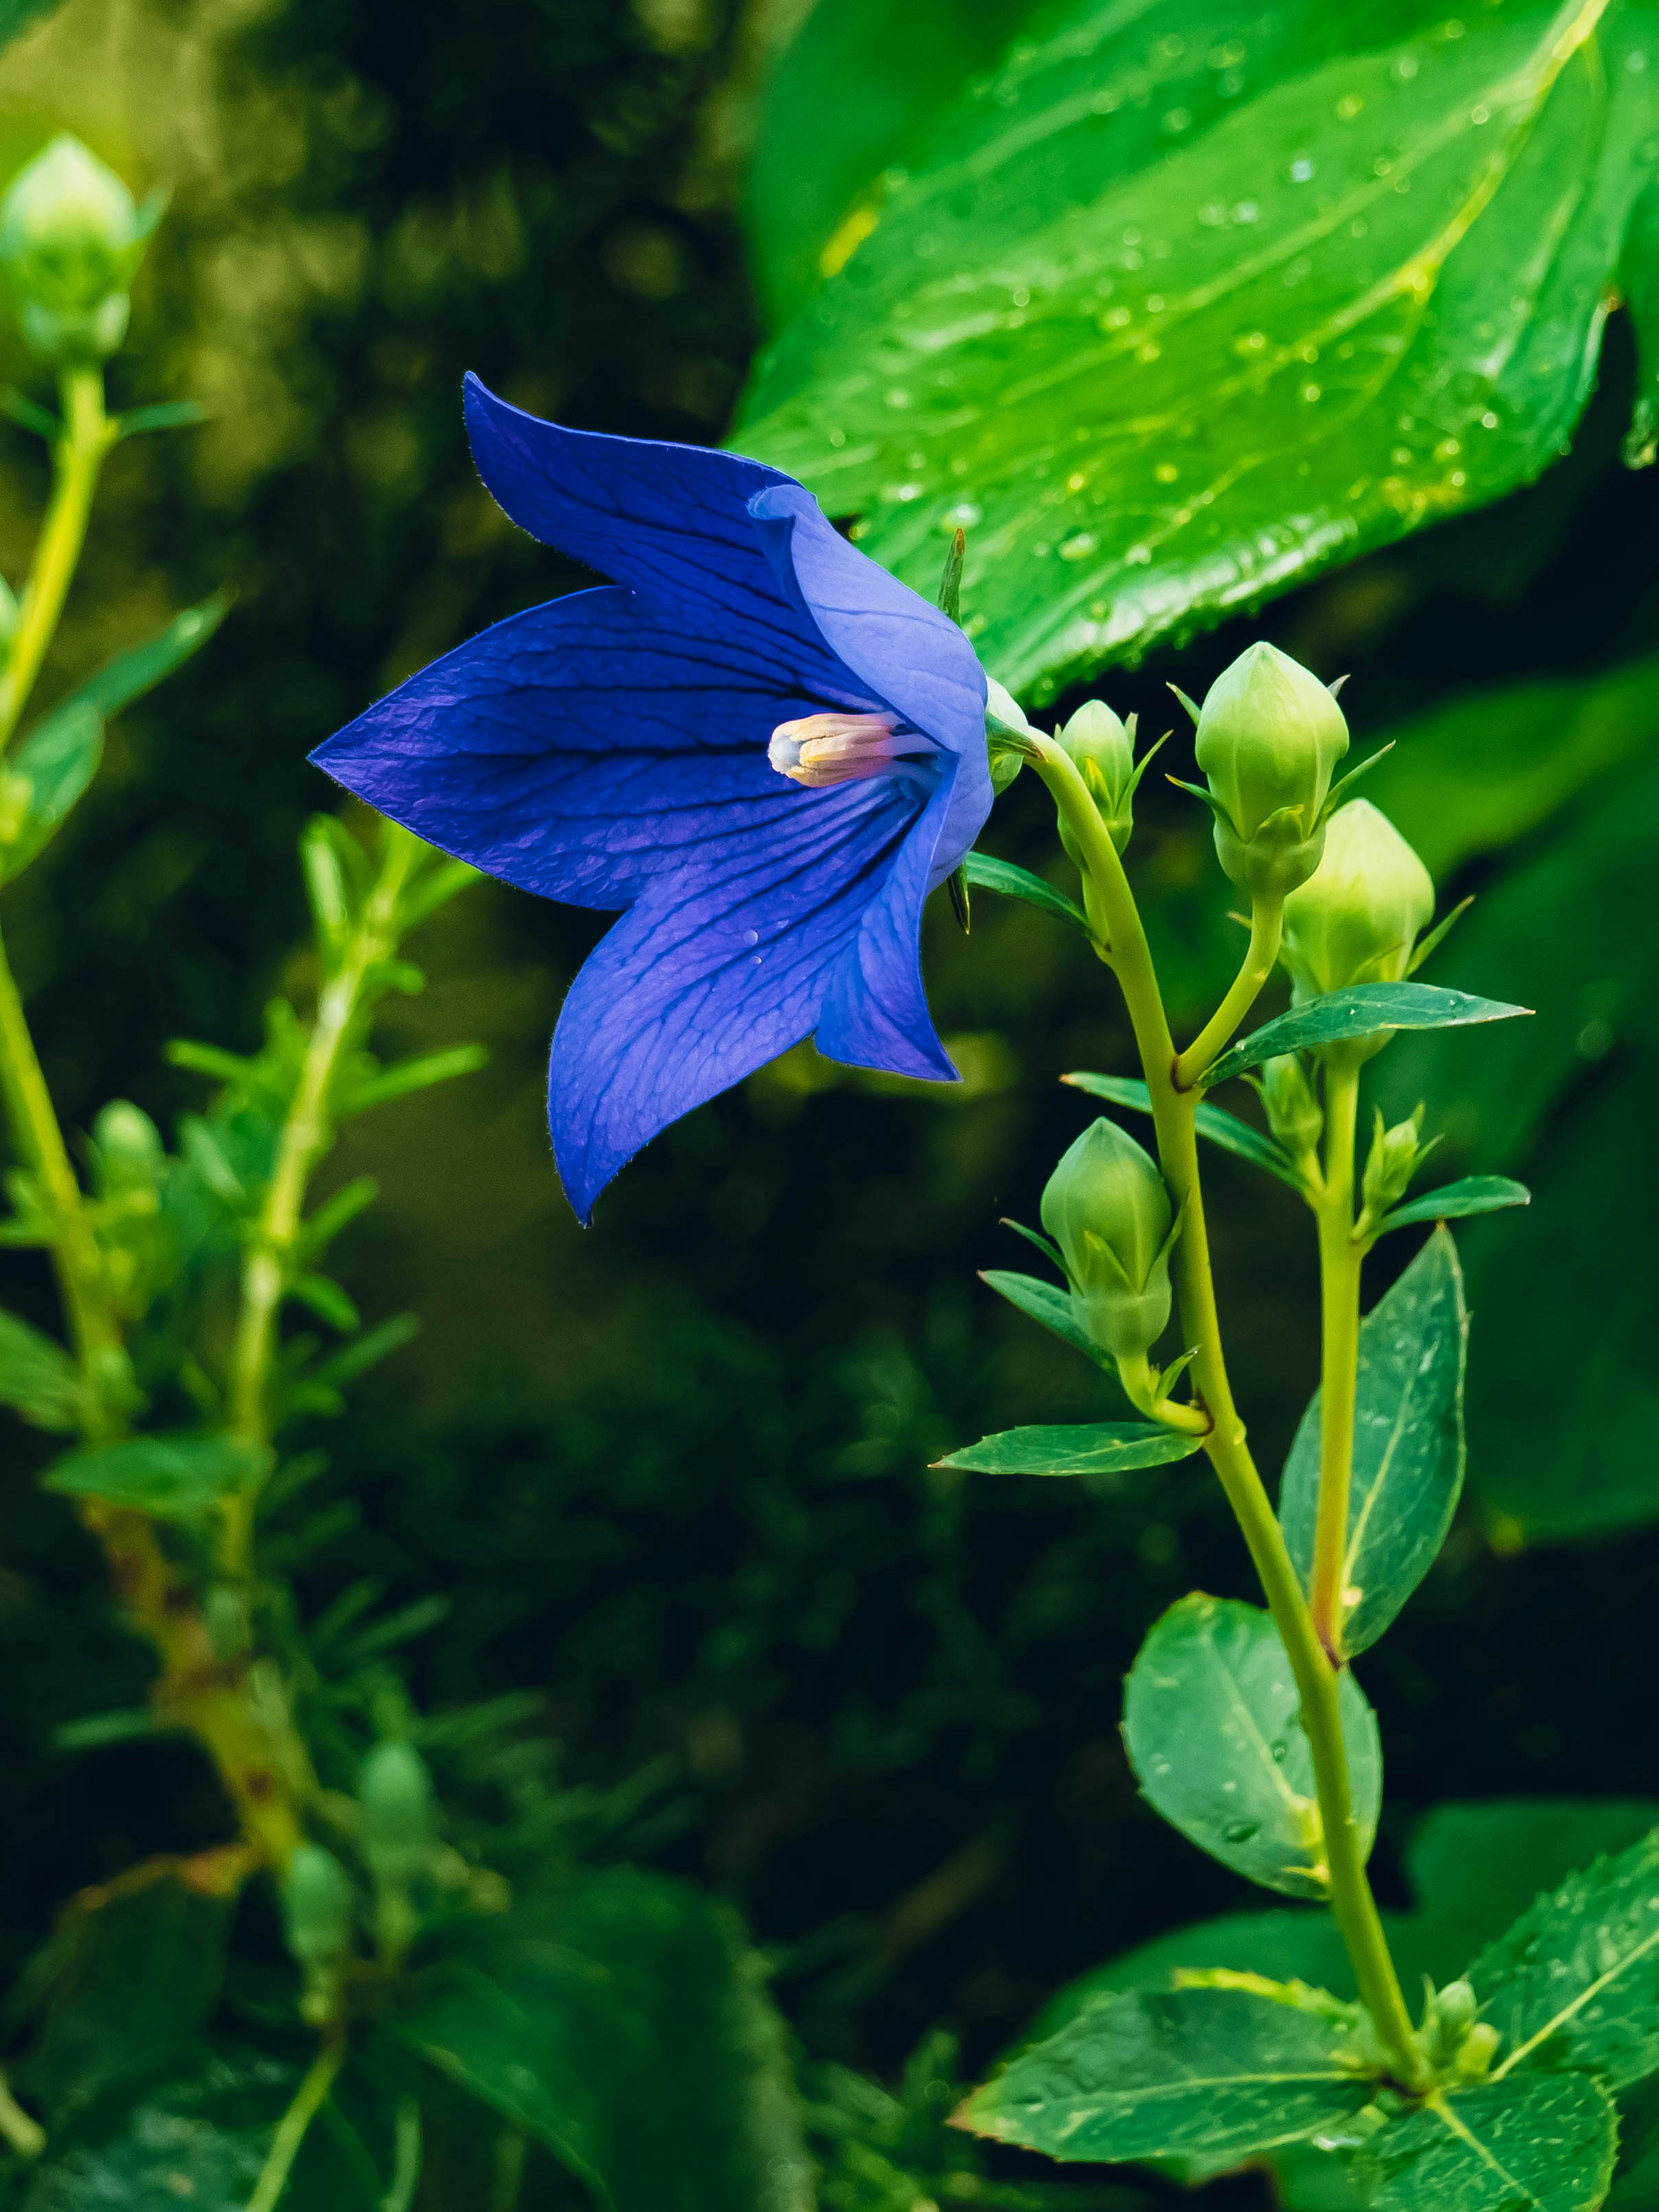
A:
(26, 2137)
(1267, 916)
(308, 2100)
(1339, 1262)
(268, 1264)
(86, 437)
(1317, 1680)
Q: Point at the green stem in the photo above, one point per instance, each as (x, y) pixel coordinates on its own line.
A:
(306, 1134)
(308, 2100)
(85, 437)
(1340, 1262)
(1267, 916)
(1317, 1680)
(26, 2137)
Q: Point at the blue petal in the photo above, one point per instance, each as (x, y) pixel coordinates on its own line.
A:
(582, 748)
(717, 970)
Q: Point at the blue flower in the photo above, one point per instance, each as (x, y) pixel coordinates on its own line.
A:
(757, 742)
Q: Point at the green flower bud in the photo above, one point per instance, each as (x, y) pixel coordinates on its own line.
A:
(1103, 749)
(71, 237)
(1004, 725)
(1107, 1208)
(396, 1814)
(1357, 918)
(1294, 1117)
(132, 1157)
(1476, 2051)
(1269, 736)
(1455, 2010)
(316, 1893)
(1391, 1164)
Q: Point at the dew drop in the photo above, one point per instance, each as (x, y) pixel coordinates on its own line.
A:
(963, 516)
(1240, 1831)
(1166, 472)
(1301, 170)
(1348, 106)
(751, 937)
(1078, 546)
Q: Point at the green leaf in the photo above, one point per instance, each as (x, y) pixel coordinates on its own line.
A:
(38, 1378)
(1220, 1127)
(327, 1300)
(142, 667)
(1476, 1869)
(1046, 1304)
(1456, 1201)
(1539, 2144)
(409, 1075)
(1095, 1448)
(1211, 2074)
(1363, 1010)
(1170, 336)
(168, 415)
(58, 760)
(1575, 1982)
(1212, 1721)
(621, 2024)
(1408, 1446)
(986, 874)
(174, 1477)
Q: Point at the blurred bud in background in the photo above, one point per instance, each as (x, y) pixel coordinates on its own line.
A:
(71, 237)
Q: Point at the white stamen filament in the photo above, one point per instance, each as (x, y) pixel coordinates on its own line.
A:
(821, 750)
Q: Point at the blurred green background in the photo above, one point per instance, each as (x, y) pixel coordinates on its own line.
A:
(671, 1473)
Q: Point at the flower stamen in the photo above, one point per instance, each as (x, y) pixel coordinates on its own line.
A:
(821, 750)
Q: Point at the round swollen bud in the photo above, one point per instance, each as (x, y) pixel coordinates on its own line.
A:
(316, 1906)
(1357, 918)
(131, 1156)
(396, 1814)
(1391, 1164)
(1269, 736)
(1294, 1117)
(70, 239)
(1005, 729)
(1107, 1208)
(1103, 749)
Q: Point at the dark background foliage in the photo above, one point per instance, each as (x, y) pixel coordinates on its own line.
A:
(672, 1473)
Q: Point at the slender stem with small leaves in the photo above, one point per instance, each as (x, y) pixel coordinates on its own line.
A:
(85, 437)
(1340, 1262)
(309, 2098)
(1112, 908)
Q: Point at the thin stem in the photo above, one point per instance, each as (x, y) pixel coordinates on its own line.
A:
(26, 2137)
(305, 1134)
(87, 436)
(1340, 1262)
(308, 2100)
(1267, 916)
(1317, 1681)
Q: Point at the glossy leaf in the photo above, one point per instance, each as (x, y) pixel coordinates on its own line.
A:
(38, 1378)
(1211, 1121)
(1575, 1980)
(59, 760)
(1168, 335)
(1538, 2144)
(1094, 1447)
(1046, 1303)
(1363, 1010)
(620, 2024)
(1211, 2074)
(986, 874)
(1458, 1201)
(1212, 1724)
(1408, 1446)
(176, 1477)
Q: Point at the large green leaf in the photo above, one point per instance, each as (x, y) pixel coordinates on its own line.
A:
(1170, 315)
(1538, 2144)
(1212, 1719)
(1091, 1448)
(1221, 1129)
(38, 1378)
(621, 2023)
(1408, 1446)
(174, 1476)
(1209, 2074)
(1575, 1982)
(1364, 1010)
(986, 874)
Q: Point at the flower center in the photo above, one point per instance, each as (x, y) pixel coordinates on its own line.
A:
(821, 750)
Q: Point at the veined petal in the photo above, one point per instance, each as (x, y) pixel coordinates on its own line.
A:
(582, 747)
(717, 970)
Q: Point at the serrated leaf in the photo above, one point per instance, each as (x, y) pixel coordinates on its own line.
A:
(1093, 1448)
(1458, 1201)
(1221, 1129)
(1408, 1446)
(1538, 2144)
(1330, 253)
(986, 874)
(1575, 1982)
(59, 760)
(1209, 2074)
(38, 1378)
(1212, 1721)
(174, 1477)
(1363, 1010)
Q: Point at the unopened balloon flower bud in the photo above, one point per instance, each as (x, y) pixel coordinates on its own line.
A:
(71, 237)
(1392, 1162)
(131, 1156)
(1006, 727)
(1107, 1210)
(1294, 1117)
(1104, 750)
(1269, 736)
(316, 1893)
(1357, 918)
(396, 1814)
